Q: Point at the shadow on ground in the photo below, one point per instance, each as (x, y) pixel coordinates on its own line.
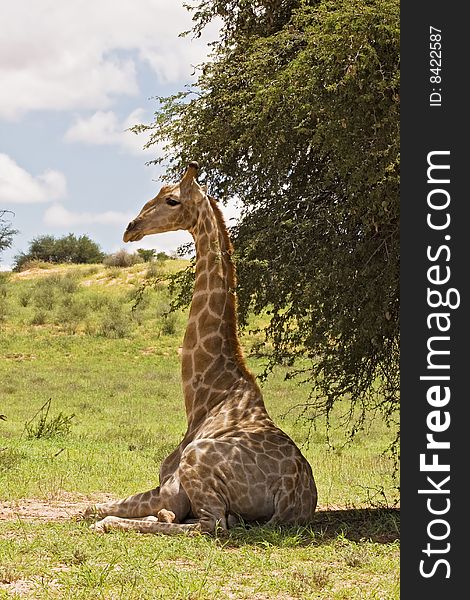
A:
(376, 525)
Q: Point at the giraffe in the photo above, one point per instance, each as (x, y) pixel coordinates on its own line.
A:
(233, 462)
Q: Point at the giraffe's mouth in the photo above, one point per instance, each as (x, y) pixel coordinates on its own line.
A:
(132, 234)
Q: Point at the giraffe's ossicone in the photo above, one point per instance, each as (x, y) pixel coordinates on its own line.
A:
(233, 462)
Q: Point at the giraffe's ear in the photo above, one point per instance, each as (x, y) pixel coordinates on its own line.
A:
(188, 178)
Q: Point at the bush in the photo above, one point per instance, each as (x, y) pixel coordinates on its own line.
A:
(44, 297)
(25, 297)
(28, 264)
(115, 323)
(88, 272)
(52, 292)
(153, 270)
(9, 459)
(169, 323)
(114, 272)
(39, 317)
(97, 301)
(71, 313)
(122, 258)
(3, 296)
(68, 284)
(168, 319)
(41, 426)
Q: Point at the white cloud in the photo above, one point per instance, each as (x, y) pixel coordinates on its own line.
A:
(169, 242)
(104, 127)
(17, 186)
(80, 55)
(162, 242)
(58, 216)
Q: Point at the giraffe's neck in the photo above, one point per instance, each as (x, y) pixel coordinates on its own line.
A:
(212, 361)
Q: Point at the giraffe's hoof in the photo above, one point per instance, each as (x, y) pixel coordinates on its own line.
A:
(166, 516)
(100, 526)
(89, 513)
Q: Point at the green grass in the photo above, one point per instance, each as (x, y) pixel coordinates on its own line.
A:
(116, 370)
(68, 561)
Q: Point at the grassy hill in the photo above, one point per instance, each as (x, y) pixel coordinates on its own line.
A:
(90, 388)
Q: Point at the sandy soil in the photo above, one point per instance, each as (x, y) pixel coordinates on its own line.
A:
(31, 509)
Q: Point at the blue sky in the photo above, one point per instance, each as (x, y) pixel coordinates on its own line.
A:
(74, 76)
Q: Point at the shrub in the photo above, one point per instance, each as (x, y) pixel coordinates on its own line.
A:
(41, 426)
(4, 277)
(9, 459)
(68, 283)
(3, 308)
(44, 293)
(122, 258)
(71, 313)
(154, 270)
(88, 272)
(115, 323)
(4, 280)
(39, 317)
(49, 292)
(26, 265)
(25, 297)
(114, 272)
(97, 301)
(169, 323)
(168, 320)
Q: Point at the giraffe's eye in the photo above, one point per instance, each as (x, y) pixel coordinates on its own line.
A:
(172, 202)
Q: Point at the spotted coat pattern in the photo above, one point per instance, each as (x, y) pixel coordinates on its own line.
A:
(233, 462)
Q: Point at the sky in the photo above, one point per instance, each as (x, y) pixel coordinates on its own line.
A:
(74, 76)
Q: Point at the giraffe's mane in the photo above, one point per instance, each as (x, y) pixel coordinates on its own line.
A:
(227, 251)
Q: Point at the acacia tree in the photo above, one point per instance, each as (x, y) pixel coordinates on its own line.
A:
(297, 114)
(67, 249)
(6, 231)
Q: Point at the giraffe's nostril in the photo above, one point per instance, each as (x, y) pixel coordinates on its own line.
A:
(130, 226)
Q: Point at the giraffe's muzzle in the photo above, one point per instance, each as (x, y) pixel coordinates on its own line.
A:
(131, 235)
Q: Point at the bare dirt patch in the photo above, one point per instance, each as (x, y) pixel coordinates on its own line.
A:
(20, 587)
(33, 273)
(32, 509)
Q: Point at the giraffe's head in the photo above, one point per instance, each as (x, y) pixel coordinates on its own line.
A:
(174, 207)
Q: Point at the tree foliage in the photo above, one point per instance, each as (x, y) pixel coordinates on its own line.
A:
(6, 231)
(147, 255)
(67, 249)
(297, 114)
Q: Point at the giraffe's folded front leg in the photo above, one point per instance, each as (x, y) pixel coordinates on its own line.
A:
(169, 503)
(136, 506)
